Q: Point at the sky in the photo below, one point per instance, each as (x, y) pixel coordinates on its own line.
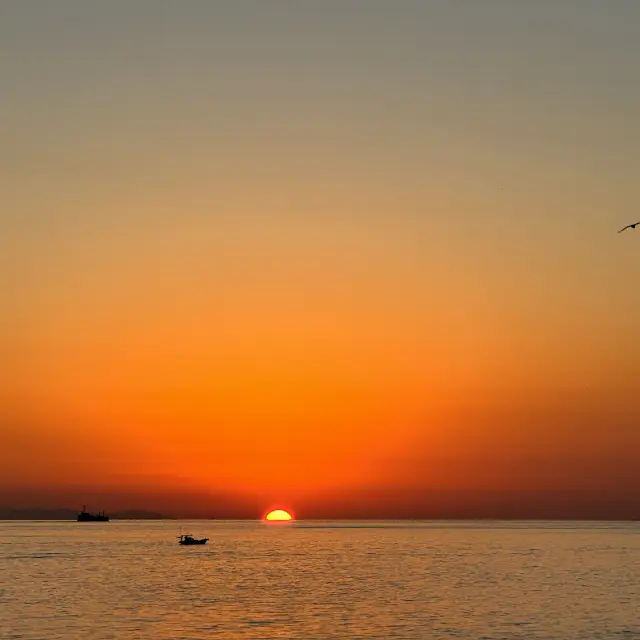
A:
(353, 259)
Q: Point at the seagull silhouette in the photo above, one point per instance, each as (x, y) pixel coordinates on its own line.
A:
(629, 226)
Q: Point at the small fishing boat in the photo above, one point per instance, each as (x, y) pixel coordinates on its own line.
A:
(188, 539)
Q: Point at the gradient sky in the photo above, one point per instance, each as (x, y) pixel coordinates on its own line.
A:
(349, 258)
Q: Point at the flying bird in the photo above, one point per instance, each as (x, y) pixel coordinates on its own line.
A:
(629, 226)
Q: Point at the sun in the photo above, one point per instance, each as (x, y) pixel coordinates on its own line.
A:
(278, 515)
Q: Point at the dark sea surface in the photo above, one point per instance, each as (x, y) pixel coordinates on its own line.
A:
(431, 580)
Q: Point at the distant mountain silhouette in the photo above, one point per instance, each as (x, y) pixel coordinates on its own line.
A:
(133, 514)
(37, 513)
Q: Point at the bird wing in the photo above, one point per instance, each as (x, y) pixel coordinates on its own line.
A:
(623, 228)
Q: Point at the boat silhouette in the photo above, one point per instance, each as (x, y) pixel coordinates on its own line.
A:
(188, 539)
(85, 516)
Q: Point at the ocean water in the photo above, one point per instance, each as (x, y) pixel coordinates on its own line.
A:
(435, 580)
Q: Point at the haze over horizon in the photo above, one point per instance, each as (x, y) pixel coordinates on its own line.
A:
(351, 259)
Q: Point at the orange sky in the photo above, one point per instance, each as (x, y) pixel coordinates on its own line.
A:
(255, 259)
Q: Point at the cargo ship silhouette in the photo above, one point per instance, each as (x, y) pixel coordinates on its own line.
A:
(85, 516)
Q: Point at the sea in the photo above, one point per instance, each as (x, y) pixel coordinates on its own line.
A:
(312, 580)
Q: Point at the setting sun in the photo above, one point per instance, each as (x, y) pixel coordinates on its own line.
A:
(278, 515)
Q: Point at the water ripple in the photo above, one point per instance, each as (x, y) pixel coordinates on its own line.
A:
(471, 581)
